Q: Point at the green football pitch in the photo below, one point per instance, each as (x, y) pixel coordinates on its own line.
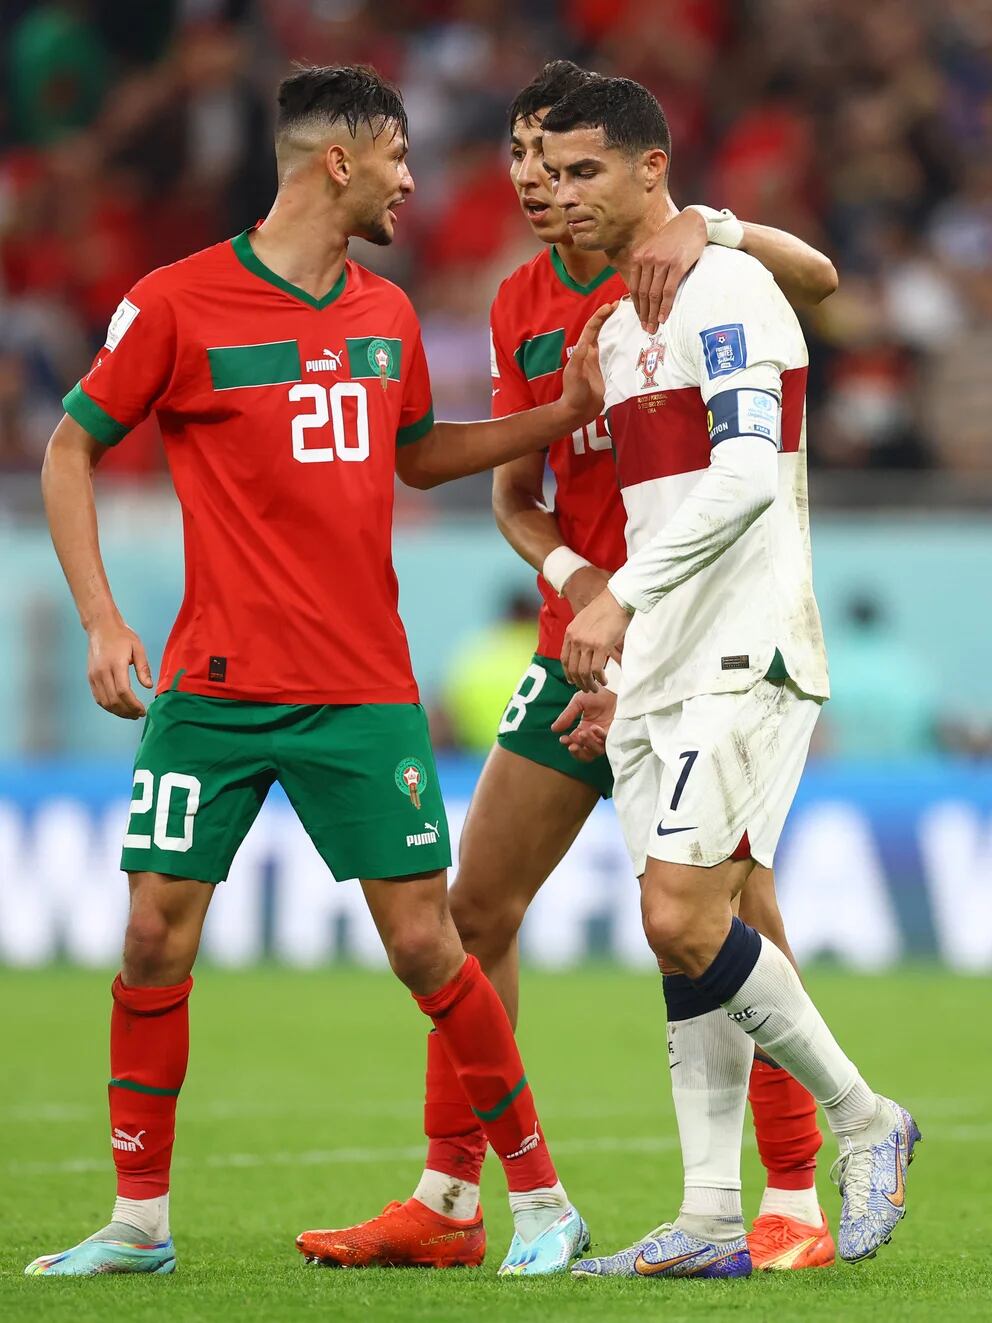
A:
(302, 1108)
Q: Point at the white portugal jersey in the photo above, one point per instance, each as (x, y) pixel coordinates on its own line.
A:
(730, 362)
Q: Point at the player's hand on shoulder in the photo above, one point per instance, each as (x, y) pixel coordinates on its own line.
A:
(593, 637)
(582, 387)
(113, 650)
(584, 586)
(659, 265)
(586, 740)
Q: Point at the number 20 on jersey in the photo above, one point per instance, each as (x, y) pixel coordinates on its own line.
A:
(350, 435)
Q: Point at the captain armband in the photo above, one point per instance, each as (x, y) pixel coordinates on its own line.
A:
(745, 412)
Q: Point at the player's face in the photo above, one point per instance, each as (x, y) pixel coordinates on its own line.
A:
(599, 190)
(382, 183)
(532, 182)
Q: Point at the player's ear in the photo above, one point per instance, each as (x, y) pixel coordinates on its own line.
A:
(338, 164)
(655, 166)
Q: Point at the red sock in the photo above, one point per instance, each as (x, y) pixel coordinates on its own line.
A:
(785, 1127)
(456, 1141)
(474, 1029)
(149, 1048)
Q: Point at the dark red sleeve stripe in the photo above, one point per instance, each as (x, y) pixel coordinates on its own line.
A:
(665, 433)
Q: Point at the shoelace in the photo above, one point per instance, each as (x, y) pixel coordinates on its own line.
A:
(653, 1237)
(773, 1230)
(851, 1173)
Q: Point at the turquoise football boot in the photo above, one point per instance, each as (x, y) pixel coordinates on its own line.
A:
(550, 1252)
(99, 1256)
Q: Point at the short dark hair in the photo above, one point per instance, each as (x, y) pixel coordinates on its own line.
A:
(557, 79)
(354, 93)
(630, 117)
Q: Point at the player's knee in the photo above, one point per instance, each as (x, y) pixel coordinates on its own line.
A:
(487, 928)
(666, 926)
(147, 945)
(416, 953)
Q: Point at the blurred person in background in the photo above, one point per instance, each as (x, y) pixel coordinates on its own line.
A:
(484, 669)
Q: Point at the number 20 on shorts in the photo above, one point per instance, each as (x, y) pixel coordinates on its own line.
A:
(169, 783)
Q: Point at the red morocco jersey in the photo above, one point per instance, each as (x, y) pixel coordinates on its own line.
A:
(281, 415)
(536, 318)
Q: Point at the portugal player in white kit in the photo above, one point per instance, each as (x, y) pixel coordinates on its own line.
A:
(724, 672)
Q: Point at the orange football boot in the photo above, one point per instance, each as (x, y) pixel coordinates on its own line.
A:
(778, 1243)
(409, 1235)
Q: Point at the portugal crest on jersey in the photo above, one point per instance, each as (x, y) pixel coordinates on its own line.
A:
(411, 779)
(650, 360)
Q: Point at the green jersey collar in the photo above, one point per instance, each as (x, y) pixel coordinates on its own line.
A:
(250, 260)
(567, 280)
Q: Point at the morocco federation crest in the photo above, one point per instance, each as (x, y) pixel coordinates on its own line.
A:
(411, 779)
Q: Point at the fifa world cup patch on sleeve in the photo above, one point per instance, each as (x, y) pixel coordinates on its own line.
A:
(725, 349)
(745, 412)
(120, 323)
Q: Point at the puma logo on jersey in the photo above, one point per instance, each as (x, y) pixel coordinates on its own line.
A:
(331, 362)
(427, 837)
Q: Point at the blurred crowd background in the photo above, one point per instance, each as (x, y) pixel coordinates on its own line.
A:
(134, 133)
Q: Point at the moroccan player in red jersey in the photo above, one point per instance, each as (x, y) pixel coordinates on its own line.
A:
(290, 384)
(533, 796)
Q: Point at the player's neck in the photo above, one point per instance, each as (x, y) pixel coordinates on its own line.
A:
(654, 218)
(583, 267)
(302, 245)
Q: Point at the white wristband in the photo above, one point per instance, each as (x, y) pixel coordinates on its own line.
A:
(559, 566)
(722, 227)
